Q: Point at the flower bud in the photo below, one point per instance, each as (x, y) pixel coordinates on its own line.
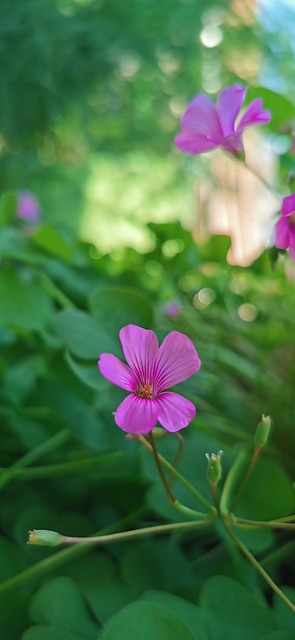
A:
(44, 537)
(262, 431)
(214, 469)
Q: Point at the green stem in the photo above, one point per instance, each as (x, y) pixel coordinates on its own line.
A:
(54, 291)
(176, 459)
(64, 468)
(259, 568)
(213, 487)
(178, 475)
(160, 469)
(133, 533)
(271, 524)
(60, 557)
(247, 477)
(44, 448)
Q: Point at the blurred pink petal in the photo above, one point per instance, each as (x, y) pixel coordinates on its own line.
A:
(204, 127)
(28, 207)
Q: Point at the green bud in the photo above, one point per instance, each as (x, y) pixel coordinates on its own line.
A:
(214, 469)
(44, 537)
(262, 431)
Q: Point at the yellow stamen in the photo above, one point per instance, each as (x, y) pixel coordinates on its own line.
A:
(145, 391)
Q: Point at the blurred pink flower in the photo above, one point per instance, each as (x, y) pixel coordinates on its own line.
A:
(285, 227)
(172, 309)
(151, 369)
(28, 207)
(206, 127)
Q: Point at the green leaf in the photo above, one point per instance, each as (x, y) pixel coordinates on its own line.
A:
(24, 304)
(117, 307)
(269, 493)
(194, 617)
(8, 204)
(285, 615)
(235, 612)
(19, 379)
(41, 632)
(83, 336)
(146, 621)
(87, 373)
(59, 602)
(49, 239)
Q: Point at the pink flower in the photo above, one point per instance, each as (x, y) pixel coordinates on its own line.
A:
(28, 207)
(150, 370)
(206, 127)
(285, 227)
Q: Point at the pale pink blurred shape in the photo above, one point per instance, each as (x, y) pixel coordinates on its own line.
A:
(150, 371)
(28, 207)
(285, 227)
(172, 309)
(205, 127)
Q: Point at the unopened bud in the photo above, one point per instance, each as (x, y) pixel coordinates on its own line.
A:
(214, 469)
(262, 431)
(44, 537)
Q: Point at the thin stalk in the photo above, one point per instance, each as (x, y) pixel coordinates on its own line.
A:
(258, 176)
(166, 484)
(247, 477)
(44, 448)
(176, 459)
(259, 568)
(133, 533)
(63, 468)
(54, 291)
(213, 487)
(271, 524)
(178, 475)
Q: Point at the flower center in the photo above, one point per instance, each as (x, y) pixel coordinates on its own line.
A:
(145, 391)
(291, 219)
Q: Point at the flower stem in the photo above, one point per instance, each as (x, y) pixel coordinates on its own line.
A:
(271, 524)
(175, 461)
(213, 487)
(179, 476)
(247, 477)
(259, 568)
(54, 291)
(166, 484)
(133, 533)
(44, 448)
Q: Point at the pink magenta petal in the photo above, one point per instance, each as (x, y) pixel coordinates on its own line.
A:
(140, 347)
(176, 412)
(137, 415)
(192, 143)
(176, 360)
(288, 204)
(253, 115)
(292, 243)
(116, 371)
(282, 234)
(201, 118)
(229, 103)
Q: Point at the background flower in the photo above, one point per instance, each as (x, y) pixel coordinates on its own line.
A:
(151, 369)
(206, 127)
(285, 227)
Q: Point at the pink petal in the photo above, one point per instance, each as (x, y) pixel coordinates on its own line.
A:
(137, 415)
(201, 118)
(176, 360)
(292, 243)
(116, 371)
(288, 204)
(254, 115)
(192, 143)
(176, 412)
(140, 347)
(229, 104)
(282, 230)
